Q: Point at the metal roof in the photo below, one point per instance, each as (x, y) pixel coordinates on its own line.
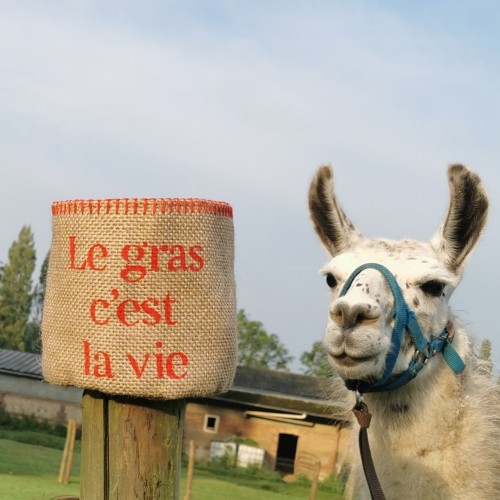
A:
(20, 363)
(291, 384)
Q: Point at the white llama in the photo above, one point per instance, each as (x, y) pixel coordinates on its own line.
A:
(435, 436)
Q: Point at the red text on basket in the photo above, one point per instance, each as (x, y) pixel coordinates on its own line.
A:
(130, 312)
(138, 259)
(173, 365)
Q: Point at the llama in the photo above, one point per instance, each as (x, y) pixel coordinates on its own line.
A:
(438, 435)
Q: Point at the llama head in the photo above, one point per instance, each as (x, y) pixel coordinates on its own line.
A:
(360, 323)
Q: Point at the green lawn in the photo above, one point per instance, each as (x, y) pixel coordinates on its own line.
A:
(29, 472)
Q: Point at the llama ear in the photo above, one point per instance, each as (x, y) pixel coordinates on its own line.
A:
(334, 229)
(465, 220)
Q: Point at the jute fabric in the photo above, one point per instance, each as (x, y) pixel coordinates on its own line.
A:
(140, 297)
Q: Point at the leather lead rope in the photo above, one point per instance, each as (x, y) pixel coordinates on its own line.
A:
(363, 417)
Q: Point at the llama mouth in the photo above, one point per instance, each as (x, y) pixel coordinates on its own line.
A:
(345, 360)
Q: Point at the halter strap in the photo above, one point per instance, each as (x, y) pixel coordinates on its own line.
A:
(404, 320)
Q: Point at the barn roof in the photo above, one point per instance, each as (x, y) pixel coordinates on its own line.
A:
(293, 384)
(20, 363)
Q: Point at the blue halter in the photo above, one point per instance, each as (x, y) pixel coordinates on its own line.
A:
(404, 320)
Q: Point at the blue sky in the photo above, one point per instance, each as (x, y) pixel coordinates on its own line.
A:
(241, 101)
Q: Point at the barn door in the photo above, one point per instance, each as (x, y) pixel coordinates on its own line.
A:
(285, 454)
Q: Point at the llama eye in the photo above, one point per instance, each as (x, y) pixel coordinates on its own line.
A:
(433, 287)
(331, 281)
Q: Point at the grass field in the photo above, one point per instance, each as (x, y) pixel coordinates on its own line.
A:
(29, 472)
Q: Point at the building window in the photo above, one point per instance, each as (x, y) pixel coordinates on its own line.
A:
(211, 423)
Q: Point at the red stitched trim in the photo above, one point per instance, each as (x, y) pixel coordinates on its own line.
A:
(149, 206)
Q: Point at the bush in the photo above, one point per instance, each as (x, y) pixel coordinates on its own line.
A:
(31, 423)
(248, 441)
(252, 476)
(33, 437)
(224, 462)
(333, 485)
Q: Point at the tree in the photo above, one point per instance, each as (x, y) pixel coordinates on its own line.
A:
(39, 292)
(15, 290)
(315, 361)
(31, 340)
(259, 349)
(32, 330)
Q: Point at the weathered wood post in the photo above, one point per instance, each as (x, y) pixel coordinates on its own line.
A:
(131, 447)
(314, 481)
(67, 457)
(190, 470)
(140, 312)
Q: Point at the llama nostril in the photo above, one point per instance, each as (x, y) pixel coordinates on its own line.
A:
(348, 315)
(338, 313)
(343, 314)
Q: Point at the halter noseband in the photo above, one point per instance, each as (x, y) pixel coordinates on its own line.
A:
(404, 320)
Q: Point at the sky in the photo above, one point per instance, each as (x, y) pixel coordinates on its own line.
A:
(241, 102)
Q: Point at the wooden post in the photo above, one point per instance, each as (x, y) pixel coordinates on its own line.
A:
(131, 447)
(64, 458)
(314, 482)
(189, 477)
(67, 457)
(69, 460)
(336, 451)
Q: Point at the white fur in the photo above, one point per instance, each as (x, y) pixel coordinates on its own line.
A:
(439, 435)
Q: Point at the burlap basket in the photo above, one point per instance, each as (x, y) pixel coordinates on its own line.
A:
(140, 297)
